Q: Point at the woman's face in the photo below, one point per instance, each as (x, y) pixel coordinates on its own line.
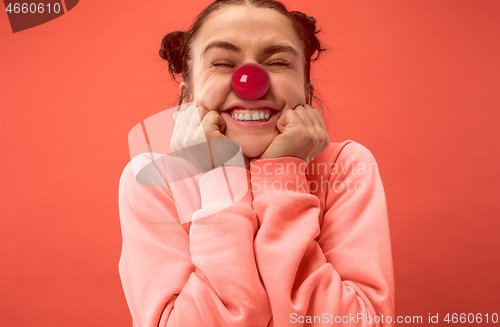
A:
(235, 35)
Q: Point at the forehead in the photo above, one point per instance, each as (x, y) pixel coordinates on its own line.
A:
(248, 27)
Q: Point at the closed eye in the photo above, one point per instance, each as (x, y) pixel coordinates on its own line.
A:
(223, 63)
(282, 63)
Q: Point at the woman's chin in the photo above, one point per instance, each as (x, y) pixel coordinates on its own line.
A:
(252, 146)
(252, 150)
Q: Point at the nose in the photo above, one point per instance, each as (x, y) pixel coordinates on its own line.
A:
(250, 81)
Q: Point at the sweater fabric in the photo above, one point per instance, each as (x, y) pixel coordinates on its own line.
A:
(295, 247)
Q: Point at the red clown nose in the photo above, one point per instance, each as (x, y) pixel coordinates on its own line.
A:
(250, 81)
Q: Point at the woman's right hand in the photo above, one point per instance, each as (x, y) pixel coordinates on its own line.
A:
(198, 138)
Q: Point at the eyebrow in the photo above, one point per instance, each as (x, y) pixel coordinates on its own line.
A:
(267, 51)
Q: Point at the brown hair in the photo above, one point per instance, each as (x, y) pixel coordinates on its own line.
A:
(176, 46)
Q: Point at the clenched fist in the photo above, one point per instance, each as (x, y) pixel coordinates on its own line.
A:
(198, 138)
(302, 134)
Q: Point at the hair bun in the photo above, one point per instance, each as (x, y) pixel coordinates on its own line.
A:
(172, 50)
(309, 25)
(306, 21)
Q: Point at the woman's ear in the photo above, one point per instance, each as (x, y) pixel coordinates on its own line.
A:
(311, 92)
(184, 92)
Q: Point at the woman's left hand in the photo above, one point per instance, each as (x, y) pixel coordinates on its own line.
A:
(303, 134)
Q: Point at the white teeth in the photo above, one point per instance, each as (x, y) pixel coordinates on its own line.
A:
(251, 116)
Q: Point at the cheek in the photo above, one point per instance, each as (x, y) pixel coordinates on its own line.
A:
(210, 91)
(288, 89)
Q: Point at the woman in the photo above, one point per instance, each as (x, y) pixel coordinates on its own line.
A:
(300, 246)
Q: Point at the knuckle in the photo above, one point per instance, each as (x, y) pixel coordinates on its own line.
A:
(322, 137)
(298, 109)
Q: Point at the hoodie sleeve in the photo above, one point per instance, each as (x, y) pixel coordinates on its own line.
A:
(207, 277)
(330, 265)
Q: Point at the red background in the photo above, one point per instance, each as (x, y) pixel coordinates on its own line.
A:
(415, 81)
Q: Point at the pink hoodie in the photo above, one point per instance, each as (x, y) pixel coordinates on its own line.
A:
(299, 248)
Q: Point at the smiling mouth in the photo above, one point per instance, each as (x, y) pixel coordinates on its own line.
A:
(258, 114)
